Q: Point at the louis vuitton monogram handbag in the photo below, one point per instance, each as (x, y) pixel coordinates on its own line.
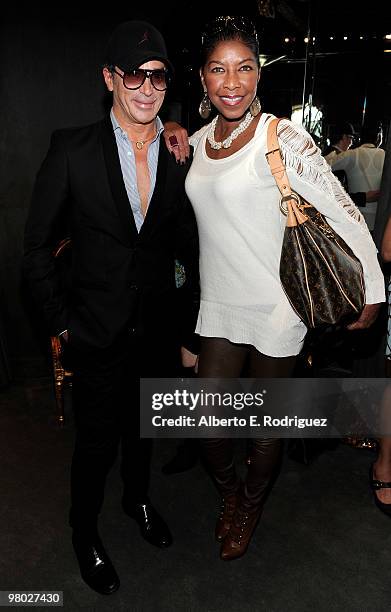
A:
(319, 273)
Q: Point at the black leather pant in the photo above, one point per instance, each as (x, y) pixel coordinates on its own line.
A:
(220, 358)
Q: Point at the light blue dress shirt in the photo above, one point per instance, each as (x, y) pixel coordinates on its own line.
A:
(128, 166)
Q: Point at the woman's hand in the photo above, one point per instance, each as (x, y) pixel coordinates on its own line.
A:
(189, 360)
(367, 317)
(177, 141)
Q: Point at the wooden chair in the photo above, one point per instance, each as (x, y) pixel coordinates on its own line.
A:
(61, 374)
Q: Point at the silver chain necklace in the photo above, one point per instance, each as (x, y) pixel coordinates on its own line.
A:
(225, 144)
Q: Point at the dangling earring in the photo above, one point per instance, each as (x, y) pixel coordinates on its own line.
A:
(255, 107)
(205, 108)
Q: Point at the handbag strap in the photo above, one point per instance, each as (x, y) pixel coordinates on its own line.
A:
(294, 215)
(275, 160)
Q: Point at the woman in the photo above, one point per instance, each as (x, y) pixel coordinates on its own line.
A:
(380, 471)
(245, 318)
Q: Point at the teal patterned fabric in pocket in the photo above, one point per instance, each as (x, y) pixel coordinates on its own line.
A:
(180, 275)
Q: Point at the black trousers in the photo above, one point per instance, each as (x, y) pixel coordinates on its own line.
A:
(106, 408)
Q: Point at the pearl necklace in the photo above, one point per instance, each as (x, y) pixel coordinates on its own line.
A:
(225, 144)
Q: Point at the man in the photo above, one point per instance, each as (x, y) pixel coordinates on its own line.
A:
(343, 137)
(363, 167)
(122, 195)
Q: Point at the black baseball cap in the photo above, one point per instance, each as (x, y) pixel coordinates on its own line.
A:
(346, 128)
(134, 43)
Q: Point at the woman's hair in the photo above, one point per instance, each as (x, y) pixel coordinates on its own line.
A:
(228, 28)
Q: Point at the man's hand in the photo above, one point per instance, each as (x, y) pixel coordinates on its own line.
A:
(64, 335)
(189, 360)
(177, 141)
(372, 196)
(367, 317)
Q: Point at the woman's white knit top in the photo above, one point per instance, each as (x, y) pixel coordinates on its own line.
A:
(236, 203)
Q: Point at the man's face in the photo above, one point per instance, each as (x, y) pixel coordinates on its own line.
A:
(135, 106)
(347, 141)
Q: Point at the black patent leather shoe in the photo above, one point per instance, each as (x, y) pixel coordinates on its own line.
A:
(152, 527)
(96, 568)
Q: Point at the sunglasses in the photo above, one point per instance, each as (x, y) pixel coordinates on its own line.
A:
(136, 78)
(222, 24)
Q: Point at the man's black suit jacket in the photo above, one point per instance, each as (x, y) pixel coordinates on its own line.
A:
(120, 278)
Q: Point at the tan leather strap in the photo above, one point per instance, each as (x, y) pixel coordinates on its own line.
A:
(294, 215)
(275, 160)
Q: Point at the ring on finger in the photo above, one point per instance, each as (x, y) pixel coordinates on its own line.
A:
(173, 141)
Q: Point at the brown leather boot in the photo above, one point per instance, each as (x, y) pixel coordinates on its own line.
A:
(243, 525)
(228, 507)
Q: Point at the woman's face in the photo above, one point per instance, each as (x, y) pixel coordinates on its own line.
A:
(231, 76)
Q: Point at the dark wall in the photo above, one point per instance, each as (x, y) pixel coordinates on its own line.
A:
(49, 79)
